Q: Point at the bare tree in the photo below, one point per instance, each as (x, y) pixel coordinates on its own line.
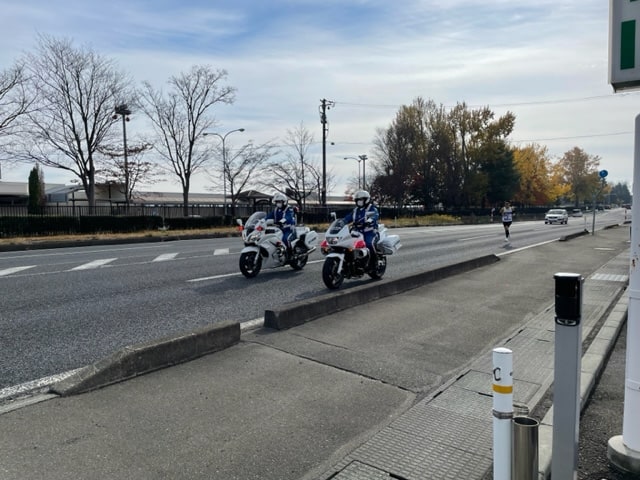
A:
(180, 118)
(136, 169)
(74, 91)
(14, 102)
(241, 166)
(293, 176)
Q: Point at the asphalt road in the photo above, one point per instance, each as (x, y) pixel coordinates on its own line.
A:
(61, 309)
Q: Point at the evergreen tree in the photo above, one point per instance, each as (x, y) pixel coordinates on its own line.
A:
(36, 190)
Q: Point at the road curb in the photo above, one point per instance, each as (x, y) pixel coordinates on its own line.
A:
(571, 236)
(135, 360)
(298, 313)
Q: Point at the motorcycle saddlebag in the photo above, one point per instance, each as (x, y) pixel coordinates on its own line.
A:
(310, 238)
(390, 244)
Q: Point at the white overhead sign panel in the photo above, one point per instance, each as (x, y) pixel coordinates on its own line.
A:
(624, 44)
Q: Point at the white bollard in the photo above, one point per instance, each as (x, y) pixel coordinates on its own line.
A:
(502, 412)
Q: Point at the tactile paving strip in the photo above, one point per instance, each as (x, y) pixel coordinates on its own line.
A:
(482, 382)
(457, 400)
(431, 424)
(406, 456)
(360, 471)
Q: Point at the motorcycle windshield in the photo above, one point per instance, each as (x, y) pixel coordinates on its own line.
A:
(336, 226)
(253, 220)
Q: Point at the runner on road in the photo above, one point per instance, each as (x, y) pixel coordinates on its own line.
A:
(507, 218)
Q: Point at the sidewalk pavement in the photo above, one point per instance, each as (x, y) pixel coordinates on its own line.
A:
(394, 388)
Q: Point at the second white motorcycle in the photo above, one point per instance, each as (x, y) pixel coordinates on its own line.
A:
(347, 255)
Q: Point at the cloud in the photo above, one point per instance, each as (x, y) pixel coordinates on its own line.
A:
(370, 57)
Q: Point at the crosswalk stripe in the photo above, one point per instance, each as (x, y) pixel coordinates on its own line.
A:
(609, 277)
(221, 251)
(94, 264)
(165, 256)
(9, 271)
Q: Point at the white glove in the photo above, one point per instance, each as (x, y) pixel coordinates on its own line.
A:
(282, 220)
(368, 221)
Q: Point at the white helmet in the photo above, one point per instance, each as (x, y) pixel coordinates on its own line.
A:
(362, 198)
(280, 200)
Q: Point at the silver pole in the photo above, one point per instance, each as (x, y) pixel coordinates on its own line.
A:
(566, 383)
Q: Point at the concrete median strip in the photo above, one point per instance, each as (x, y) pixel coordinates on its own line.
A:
(135, 360)
(298, 313)
(139, 359)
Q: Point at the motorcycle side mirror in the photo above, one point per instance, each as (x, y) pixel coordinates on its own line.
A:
(333, 215)
(239, 221)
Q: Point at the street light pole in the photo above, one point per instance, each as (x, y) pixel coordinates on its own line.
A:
(124, 112)
(364, 177)
(224, 164)
(357, 159)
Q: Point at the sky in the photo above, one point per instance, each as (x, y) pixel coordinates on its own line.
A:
(546, 61)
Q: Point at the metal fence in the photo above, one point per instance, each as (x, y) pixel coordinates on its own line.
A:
(133, 210)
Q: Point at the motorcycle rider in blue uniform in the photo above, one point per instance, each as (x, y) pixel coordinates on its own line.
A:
(283, 216)
(365, 224)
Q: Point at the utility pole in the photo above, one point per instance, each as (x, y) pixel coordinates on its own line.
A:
(324, 106)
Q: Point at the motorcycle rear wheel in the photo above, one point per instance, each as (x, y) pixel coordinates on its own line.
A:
(331, 277)
(250, 265)
(299, 259)
(381, 267)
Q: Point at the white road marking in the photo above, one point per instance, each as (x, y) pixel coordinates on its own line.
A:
(202, 279)
(94, 264)
(609, 277)
(165, 256)
(475, 238)
(509, 252)
(251, 324)
(225, 275)
(9, 271)
(221, 251)
(39, 385)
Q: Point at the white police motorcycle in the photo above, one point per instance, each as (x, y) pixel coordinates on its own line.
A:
(265, 248)
(347, 255)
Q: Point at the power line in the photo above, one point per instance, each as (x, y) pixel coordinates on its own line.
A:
(612, 134)
(514, 104)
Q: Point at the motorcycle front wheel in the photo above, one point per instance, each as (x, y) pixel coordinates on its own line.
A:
(299, 259)
(331, 276)
(381, 267)
(250, 265)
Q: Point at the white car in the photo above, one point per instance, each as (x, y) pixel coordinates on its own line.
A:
(556, 215)
(576, 212)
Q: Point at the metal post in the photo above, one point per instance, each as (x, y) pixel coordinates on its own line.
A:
(124, 112)
(566, 383)
(358, 159)
(593, 205)
(502, 412)
(631, 423)
(525, 448)
(624, 451)
(224, 180)
(364, 176)
(224, 166)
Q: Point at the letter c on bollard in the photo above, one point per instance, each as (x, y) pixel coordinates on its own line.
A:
(496, 374)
